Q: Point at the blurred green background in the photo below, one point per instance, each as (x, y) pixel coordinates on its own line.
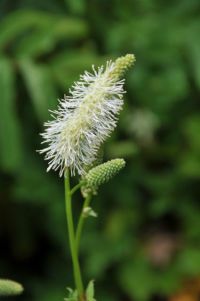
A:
(145, 244)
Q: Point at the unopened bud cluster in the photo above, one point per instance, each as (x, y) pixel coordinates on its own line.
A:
(121, 65)
(9, 288)
(104, 172)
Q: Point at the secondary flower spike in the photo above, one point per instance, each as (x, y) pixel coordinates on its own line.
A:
(103, 173)
(86, 118)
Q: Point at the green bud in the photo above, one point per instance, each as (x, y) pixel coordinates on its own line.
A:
(103, 173)
(88, 211)
(121, 65)
(99, 158)
(9, 288)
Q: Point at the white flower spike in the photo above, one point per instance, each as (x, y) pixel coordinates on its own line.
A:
(86, 118)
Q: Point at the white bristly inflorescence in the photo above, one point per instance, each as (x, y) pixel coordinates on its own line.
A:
(86, 118)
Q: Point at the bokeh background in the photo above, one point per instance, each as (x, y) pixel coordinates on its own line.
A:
(145, 244)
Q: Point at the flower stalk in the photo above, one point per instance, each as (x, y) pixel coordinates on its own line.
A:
(72, 241)
(82, 220)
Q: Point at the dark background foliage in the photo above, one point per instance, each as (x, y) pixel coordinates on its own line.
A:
(145, 244)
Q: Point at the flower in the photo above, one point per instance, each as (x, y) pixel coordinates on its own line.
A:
(86, 118)
(102, 173)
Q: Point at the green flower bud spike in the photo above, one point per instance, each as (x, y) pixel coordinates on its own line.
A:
(10, 288)
(121, 65)
(103, 173)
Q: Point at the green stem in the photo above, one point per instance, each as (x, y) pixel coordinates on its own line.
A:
(76, 187)
(81, 221)
(72, 242)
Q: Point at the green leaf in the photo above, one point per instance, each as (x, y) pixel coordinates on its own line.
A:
(40, 86)
(191, 129)
(29, 32)
(77, 7)
(138, 279)
(43, 40)
(90, 291)
(66, 66)
(189, 261)
(10, 134)
(19, 22)
(194, 49)
(72, 295)
(123, 149)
